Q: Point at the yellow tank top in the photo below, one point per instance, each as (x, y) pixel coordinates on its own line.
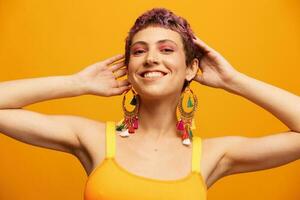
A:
(110, 181)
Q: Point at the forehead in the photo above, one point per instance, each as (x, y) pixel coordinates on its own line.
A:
(151, 35)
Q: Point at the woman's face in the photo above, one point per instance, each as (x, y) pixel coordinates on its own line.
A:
(161, 50)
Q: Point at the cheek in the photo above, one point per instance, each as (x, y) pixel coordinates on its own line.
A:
(129, 75)
(134, 62)
(176, 64)
(132, 68)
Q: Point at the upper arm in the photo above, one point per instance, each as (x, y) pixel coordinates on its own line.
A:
(58, 132)
(245, 154)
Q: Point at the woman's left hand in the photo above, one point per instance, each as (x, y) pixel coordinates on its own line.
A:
(216, 70)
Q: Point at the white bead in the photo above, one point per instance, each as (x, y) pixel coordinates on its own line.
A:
(186, 141)
(124, 133)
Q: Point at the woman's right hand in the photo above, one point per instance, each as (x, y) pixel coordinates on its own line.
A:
(101, 79)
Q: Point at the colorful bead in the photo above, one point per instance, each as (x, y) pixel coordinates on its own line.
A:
(180, 125)
(131, 129)
(190, 103)
(186, 141)
(124, 133)
(191, 133)
(135, 123)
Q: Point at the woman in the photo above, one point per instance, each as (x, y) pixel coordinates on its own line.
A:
(155, 155)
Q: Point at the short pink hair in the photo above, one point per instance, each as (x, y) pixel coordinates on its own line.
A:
(167, 19)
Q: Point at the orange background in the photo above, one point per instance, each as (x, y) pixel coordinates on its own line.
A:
(45, 38)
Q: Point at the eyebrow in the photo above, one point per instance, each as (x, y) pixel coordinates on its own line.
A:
(159, 41)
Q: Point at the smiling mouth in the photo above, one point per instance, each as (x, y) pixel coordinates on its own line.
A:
(153, 75)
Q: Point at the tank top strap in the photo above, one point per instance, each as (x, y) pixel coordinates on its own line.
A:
(110, 139)
(196, 153)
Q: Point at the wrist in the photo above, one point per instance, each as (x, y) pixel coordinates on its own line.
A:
(79, 84)
(232, 85)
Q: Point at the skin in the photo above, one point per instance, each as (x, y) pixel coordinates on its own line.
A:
(238, 154)
(159, 99)
(77, 135)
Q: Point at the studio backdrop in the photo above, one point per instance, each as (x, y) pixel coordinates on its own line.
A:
(48, 38)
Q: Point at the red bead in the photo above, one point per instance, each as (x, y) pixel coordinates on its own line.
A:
(185, 134)
(180, 125)
(131, 129)
(135, 123)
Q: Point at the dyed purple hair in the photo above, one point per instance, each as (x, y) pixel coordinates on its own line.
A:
(167, 19)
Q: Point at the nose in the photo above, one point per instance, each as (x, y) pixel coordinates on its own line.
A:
(151, 58)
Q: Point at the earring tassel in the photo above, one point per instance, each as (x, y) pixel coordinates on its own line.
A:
(131, 129)
(136, 123)
(186, 139)
(190, 103)
(185, 135)
(124, 133)
(120, 125)
(180, 125)
(191, 133)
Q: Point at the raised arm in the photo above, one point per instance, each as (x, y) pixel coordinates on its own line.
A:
(58, 132)
(50, 131)
(244, 154)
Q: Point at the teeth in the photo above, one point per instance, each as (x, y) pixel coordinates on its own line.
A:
(153, 74)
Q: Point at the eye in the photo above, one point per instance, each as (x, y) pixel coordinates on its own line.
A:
(137, 52)
(167, 50)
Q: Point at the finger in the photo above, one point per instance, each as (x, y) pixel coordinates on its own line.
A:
(120, 73)
(202, 44)
(113, 59)
(122, 83)
(117, 66)
(120, 90)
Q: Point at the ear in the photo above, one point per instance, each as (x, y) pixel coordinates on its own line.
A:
(191, 70)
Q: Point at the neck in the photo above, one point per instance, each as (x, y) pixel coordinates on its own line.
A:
(157, 119)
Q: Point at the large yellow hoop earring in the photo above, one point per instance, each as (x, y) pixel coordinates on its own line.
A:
(130, 121)
(187, 123)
